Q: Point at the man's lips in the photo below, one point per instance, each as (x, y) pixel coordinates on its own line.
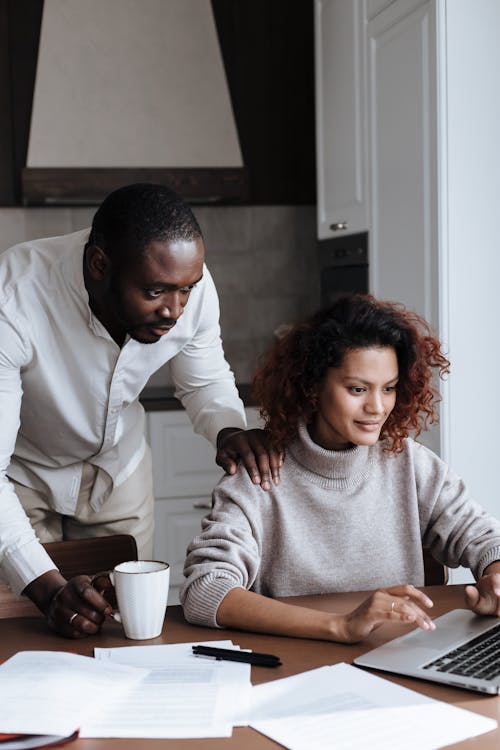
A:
(160, 330)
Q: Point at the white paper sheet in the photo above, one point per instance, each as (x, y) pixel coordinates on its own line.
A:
(51, 692)
(341, 706)
(183, 695)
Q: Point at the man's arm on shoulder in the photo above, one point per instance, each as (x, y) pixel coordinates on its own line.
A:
(202, 377)
(205, 384)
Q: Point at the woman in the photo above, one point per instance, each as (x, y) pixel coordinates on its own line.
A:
(358, 498)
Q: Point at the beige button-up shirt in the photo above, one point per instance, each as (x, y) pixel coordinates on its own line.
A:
(69, 394)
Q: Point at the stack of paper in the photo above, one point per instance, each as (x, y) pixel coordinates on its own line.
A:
(165, 691)
(182, 695)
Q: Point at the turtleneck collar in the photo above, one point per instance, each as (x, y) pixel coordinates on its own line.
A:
(334, 469)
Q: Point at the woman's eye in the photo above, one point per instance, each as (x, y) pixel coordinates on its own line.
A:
(390, 388)
(356, 389)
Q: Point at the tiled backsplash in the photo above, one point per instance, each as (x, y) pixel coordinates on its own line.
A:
(263, 260)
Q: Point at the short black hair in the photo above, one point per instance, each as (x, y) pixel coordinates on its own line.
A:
(132, 217)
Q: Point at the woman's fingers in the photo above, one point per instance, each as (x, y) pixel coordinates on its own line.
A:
(403, 604)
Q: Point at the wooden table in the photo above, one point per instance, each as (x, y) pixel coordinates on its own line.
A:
(296, 654)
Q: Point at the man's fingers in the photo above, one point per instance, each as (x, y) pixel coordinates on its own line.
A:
(78, 609)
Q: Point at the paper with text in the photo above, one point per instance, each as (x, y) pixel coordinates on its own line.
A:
(182, 696)
(341, 706)
(51, 692)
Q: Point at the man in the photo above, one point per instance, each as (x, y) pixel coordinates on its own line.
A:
(84, 322)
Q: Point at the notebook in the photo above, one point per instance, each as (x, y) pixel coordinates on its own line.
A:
(463, 651)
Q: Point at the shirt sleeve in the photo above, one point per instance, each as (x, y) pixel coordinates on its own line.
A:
(203, 379)
(226, 555)
(22, 557)
(455, 529)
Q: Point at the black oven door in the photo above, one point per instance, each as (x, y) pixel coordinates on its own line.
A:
(343, 266)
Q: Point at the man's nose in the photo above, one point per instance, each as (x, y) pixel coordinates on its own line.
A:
(172, 307)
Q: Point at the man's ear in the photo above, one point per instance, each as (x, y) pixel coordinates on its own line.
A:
(98, 263)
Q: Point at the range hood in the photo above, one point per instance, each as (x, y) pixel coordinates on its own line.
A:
(129, 91)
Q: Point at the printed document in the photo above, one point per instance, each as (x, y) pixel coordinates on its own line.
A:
(51, 692)
(341, 706)
(181, 696)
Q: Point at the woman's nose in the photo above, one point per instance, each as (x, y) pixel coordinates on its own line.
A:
(374, 404)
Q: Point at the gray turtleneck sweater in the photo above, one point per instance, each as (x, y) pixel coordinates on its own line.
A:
(351, 520)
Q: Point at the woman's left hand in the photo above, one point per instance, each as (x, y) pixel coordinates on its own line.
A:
(484, 597)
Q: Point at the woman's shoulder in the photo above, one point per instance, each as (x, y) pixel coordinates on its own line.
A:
(412, 451)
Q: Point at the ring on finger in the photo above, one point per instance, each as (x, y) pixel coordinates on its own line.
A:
(393, 604)
(75, 614)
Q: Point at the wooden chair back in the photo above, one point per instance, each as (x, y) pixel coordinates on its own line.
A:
(436, 574)
(73, 558)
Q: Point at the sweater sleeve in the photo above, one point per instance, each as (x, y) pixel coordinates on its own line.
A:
(455, 529)
(226, 554)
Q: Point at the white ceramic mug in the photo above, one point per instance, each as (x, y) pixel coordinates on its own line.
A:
(141, 593)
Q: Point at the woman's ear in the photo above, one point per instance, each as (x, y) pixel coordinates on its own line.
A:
(98, 262)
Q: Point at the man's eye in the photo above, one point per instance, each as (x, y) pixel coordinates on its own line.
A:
(187, 289)
(153, 293)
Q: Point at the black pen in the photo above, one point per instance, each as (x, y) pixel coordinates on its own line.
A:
(229, 654)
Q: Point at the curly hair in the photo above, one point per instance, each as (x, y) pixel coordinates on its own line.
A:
(288, 383)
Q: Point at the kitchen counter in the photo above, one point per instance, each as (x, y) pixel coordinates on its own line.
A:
(157, 398)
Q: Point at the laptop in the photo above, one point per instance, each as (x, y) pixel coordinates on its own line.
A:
(463, 651)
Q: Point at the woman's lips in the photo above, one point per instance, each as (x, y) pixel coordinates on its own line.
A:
(368, 426)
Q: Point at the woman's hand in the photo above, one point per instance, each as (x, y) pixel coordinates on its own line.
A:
(484, 597)
(396, 604)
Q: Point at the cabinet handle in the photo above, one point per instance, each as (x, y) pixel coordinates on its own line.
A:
(338, 225)
(202, 506)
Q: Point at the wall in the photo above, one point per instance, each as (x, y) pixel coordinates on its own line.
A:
(263, 259)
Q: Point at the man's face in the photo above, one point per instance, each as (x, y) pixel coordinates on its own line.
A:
(149, 295)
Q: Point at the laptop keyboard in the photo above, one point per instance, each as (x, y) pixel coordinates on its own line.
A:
(478, 658)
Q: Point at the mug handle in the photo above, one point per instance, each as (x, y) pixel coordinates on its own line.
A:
(107, 575)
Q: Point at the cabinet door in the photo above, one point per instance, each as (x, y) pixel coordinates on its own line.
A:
(176, 523)
(340, 121)
(402, 122)
(183, 462)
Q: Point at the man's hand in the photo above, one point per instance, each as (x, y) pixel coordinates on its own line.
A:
(484, 597)
(73, 608)
(252, 447)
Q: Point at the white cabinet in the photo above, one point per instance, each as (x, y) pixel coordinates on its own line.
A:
(184, 475)
(340, 117)
(432, 116)
(402, 117)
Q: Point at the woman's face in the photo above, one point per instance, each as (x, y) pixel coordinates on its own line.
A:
(356, 399)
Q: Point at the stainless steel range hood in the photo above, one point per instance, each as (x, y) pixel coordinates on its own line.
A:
(130, 90)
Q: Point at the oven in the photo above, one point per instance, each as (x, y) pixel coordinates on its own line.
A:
(343, 263)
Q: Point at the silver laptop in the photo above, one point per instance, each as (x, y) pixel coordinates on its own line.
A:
(463, 651)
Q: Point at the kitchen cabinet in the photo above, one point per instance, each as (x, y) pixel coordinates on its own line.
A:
(402, 126)
(432, 117)
(184, 475)
(340, 117)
